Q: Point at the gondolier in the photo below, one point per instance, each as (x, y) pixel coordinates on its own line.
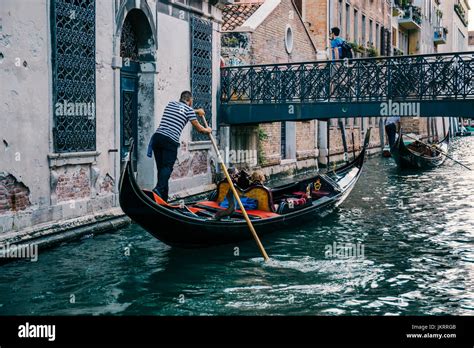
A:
(165, 141)
(392, 126)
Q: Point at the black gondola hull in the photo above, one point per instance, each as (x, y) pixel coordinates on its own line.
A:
(405, 158)
(184, 231)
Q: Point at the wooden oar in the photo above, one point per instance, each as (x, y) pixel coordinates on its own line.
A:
(434, 147)
(236, 195)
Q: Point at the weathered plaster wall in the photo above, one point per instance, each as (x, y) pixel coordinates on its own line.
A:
(24, 114)
(25, 76)
(105, 116)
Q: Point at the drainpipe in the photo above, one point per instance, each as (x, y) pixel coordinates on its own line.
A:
(116, 64)
(328, 22)
(323, 126)
(389, 44)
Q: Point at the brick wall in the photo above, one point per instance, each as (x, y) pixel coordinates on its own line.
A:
(336, 146)
(73, 184)
(14, 195)
(194, 164)
(268, 40)
(106, 184)
(270, 147)
(415, 125)
(315, 14)
(305, 139)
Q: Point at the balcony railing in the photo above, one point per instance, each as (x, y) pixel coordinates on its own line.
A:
(397, 7)
(440, 35)
(411, 20)
(461, 14)
(397, 52)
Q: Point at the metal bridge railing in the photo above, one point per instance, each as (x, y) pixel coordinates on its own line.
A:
(420, 77)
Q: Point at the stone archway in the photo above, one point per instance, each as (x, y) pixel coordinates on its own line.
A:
(137, 49)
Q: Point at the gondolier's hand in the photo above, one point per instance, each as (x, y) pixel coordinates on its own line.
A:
(200, 112)
(200, 128)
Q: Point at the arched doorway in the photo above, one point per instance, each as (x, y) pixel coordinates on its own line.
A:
(137, 75)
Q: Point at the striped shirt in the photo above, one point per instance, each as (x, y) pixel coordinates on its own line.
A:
(392, 120)
(175, 117)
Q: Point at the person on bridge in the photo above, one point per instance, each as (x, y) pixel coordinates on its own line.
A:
(392, 127)
(336, 43)
(165, 141)
(340, 49)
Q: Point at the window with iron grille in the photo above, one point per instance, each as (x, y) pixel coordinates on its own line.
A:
(73, 70)
(201, 69)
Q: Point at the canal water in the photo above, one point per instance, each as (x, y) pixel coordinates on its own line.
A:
(414, 255)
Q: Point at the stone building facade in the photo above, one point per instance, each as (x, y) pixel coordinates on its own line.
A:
(455, 18)
(428, 27)
(80, 78)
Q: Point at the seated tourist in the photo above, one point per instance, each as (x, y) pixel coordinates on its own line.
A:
(243, 181)
(257, 178)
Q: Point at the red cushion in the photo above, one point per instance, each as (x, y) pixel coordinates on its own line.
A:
(259, 213)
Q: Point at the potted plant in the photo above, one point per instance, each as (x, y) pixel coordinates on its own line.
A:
(372, 51)
(416, 14)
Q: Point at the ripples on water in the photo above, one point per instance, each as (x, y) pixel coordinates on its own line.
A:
(417, 230)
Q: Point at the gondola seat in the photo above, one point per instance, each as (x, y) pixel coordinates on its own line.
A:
(258, 192)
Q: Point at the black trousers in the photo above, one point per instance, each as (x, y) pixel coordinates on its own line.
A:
(391, 130)
(166, 151)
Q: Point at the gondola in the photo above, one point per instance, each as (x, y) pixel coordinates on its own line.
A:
(193, 225)
(464, 132)
(419, 156)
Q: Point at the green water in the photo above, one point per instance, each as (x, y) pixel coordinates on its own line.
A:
(417, 231)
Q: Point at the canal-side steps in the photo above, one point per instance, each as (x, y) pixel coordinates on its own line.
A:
(52, 233)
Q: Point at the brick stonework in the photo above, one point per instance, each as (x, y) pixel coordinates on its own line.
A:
(268, 41)
(107, 185)
(73, 185)
(195, 164)
(14, 195)
(415, 125)
(305, 139)
(271, 146)
(315, 14)
(336, 145)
